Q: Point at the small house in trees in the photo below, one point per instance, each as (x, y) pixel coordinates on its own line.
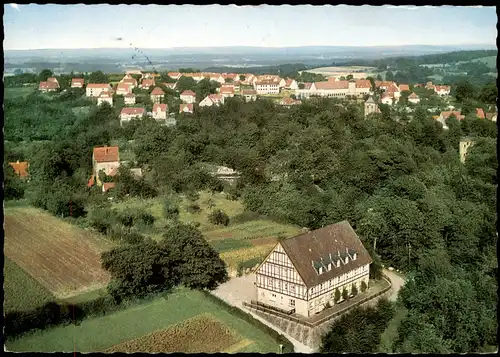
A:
(106, 159)
(480, 113)
(123, 89)
(301, 274)
(249, 94)
(77, 83)
(20, 168)
(48, 87)
(157, 95)
(170, 85)
(128, 114)
(287, 102)
(371, 107)
(386, 99)
(129, 99)
(105, 97)
(186, 108)
(291, 84)
(160, 111)
(442, 90)
(465, 144)
(445, 115)
(403, 87)
(413, 98)
(188, 97)
(174, 75)
(95, 89)
(147, 83)
(53, 80)
(212, 99)
(226, 91)
(491, 116)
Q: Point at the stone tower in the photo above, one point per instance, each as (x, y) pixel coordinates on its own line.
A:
(465, 144)
(370, 107)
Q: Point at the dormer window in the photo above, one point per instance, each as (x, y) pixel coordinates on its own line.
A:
(354, 256)
(338, 263)
(320, 270)
(329, 266)
(346, 260)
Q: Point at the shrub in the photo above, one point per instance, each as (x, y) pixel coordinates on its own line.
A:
(147, 218)
(132, 237)
(210, 203)
(218, 217)
(170, 209)
(354, 290)
(337, 295)
(345, 294)
(127, 219)
(193, 208)
(363, 286)
(193, 196)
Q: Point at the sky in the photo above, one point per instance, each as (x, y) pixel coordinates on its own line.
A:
(155, 26)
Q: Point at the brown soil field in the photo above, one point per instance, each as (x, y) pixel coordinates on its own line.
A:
(263, 241)
(199, 334)
(62, 257)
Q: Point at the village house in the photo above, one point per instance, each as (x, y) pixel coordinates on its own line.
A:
(491, 116)
(442, 90)
(234, 77)
(134, 71)
(403, 87)
(122, 89)
(105, 97)
(304, 92)
(273, 78)
(188, 97)
(287, 102)
(170, 85)
(371, 107)
(157, 95)
(20, 168)
(127, 114)
(196, 76)
(386, 99)
(132, 82)
(175, 75)
(160, 111)
(480, 113)
(77, 83)
(249, 79)
(216, 78)
(465, 144)
(249, 94)
(48, 87)
(53, 80)
(105, 158)
(95, 89)
(301, 274)
(291, 84)
(266, 87)
(413, 98)
(212, 99)
(186, 108)
(339, 89)
(226, 91)
(147, 83)
(445, 115)
(129, 99)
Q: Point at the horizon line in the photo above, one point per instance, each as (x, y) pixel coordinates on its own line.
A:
(229, 46)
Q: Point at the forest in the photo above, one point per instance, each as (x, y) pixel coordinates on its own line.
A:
(400, 184)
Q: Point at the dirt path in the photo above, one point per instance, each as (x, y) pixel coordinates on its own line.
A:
(240, 289)
(397, 281)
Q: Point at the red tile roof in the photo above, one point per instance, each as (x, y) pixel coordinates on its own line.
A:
(123, 86)
(480, 113)
(106, 154)
(52, 79)
(105, 94)
(188, 92)
(77, 81)
(148, 82)
(48, 85)
(130, 95)
(329, 85)
(20, 168)
(457, 114)
(157, 91)
(248, 92)
(162, 107)
(98, 85)
(106, 186)
(413, 96)
(216, 98)
(363, 83)
(403, 87)
(132, 81)
(133, 111)
(226, 89)
(183, 106)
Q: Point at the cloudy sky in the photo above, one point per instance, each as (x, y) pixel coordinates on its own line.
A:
(156, 26)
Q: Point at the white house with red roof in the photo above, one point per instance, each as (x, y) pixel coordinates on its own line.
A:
(291, 84)
(186, 108)
(77, 83)
(105, 97)
(414, 98)
(95, 89)
(266, 87)
(249, 94)
(403, 87)
(188, 97)
(105, 158)
(147, 83)
(212, 99)
(160, 111)
(127, 114)
(129, 98)
(480, 113)
(287, 102)
(170, 85)
(174, 75)
(442, 90)
(445, 115)
(387, 99)
(226, 91)
(48, 87)
(157, 95)
(53, 80)
(123, 88)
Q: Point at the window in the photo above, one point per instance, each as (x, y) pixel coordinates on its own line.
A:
(292, 302)
(321, 286)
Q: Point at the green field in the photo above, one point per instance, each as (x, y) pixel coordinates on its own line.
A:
(100, 333)
(251, 238)
(490, 61)
(10, 93)
(22, 292)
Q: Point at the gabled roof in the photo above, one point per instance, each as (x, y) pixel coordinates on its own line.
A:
(370, 100)
(123, 86)
(480, 113)
(457, 114)
(48, 85)
(106, 154)
(249, 92)
(403, 87)
(363, 83)
(188, 92)
(161, 107)
(129, 95)
(52, 79)
(105, 94)
(98, 85)
(132, 81)
(133, 111)
(413, 95)
(185, 106)
(227, 89)
(20, 168)
(330, 85)
(334, 240)
(157, 91)
(77, 80)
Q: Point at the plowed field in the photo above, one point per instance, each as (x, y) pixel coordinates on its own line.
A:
(202, 333)
(63, 258)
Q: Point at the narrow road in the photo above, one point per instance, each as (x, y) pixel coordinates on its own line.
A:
(240, 289)
(397, 281)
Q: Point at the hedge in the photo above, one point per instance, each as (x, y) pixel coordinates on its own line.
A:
(279, 338)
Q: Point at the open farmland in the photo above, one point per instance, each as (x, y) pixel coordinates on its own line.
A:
(21, 291)
(199, 334)
(63, 258)
(11, 93)
(245, 238)
(141, 319)
(337, 71)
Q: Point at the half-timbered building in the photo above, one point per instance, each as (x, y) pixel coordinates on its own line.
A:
(302, 273)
